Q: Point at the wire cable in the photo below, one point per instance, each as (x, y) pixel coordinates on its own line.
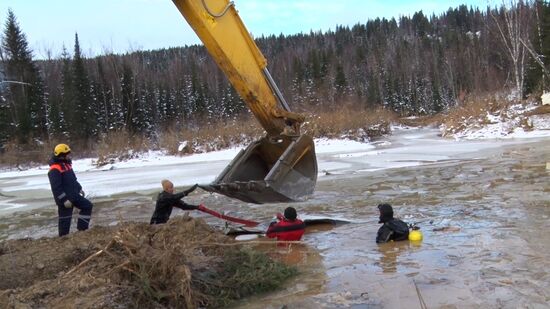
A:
(420, 298)
(230, 4)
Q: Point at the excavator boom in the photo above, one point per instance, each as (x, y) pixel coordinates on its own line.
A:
(282, 166)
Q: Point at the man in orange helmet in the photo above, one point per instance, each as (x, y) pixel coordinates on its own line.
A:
(67, 191)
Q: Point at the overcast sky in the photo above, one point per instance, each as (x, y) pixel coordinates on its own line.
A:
(127, 25)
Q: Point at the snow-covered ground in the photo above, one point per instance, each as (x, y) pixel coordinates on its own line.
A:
(406, 147)
(19, 189)
(160, 158)
(509, 123)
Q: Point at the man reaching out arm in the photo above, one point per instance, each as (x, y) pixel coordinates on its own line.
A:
(167, 199)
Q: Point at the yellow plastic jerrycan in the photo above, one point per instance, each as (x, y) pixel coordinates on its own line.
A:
(415, 234)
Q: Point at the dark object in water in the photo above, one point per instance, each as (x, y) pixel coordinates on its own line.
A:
(311, 221)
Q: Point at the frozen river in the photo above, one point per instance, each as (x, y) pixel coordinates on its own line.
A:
(490, 197)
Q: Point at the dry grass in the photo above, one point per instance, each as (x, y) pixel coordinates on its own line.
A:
(210, 137)
(423, 121)
(120, 145)
(473, 113)
(22, 156)
(540, 110)
(180, 264)
(475, 107)
(345, 122)
(350, 122)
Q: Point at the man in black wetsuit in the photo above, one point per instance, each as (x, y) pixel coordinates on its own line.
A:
(167, 199)
(393, 229)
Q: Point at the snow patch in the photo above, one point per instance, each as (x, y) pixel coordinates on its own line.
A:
(182, 146)
(325, 145)
(509, 123)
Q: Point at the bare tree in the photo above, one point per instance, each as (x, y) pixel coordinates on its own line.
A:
(513, 28)
(538, 59)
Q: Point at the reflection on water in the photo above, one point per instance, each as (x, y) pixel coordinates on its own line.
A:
(291, 254)
(308, 283)
(484, 217)
(389, 252)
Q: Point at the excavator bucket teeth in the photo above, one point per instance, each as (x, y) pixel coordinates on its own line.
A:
(270, 171)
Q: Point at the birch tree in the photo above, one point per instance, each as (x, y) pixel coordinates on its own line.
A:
(513, 28)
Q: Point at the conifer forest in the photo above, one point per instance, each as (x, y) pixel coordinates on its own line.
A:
(413, 65)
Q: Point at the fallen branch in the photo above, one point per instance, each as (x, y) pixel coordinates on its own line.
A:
(91, 257)
(122, 265)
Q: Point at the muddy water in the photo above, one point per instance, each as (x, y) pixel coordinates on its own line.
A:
(495, 252)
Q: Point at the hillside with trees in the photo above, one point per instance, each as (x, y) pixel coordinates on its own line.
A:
(414, 65)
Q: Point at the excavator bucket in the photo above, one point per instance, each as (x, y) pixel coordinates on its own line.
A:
(270, 171)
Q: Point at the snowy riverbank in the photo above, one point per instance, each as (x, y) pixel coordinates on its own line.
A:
(405, 147)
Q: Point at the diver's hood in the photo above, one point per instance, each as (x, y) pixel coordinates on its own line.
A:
(386, 213)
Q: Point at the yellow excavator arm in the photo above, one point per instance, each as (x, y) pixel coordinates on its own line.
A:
(282, 166)
(224, 35)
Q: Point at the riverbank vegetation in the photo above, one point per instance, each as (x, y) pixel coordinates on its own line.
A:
(181, 264)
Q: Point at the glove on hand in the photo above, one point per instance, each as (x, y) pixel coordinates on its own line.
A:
(68, 204)
(190, 189)
(82, 193)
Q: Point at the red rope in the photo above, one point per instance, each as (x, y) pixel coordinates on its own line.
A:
(228, 218)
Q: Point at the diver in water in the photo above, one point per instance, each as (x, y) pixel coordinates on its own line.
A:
(393, 229)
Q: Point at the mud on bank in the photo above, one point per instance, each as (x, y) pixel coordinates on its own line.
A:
(184, 263)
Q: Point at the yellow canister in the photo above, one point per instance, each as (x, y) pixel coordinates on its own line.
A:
(415, 235)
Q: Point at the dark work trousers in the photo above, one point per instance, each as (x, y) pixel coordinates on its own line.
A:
(66, 215)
